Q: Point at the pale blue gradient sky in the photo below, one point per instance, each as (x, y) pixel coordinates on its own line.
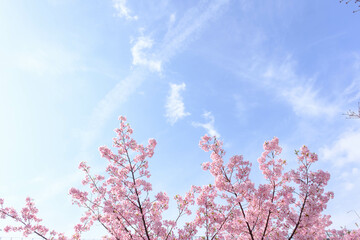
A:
(244, 70)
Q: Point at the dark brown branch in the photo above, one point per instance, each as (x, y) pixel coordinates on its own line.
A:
(19, 220)
(138, 197)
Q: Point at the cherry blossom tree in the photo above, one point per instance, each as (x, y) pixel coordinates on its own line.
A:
(352, 114)
(288, 205)
(355, 1)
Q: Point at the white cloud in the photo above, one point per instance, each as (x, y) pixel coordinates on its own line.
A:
(282, 80)
(123, 11)
(305, 101)
(209, 126)
(352, 92)
(344, 150)
(279, 75)
(298, 91)
(107, 106)
(175, 108)
(174, 40)
(140, 57)
(177, 36)
(188, 27)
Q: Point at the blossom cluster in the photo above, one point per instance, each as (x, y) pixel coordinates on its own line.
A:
(289, 205)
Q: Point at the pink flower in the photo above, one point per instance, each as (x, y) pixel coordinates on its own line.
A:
(287, 205)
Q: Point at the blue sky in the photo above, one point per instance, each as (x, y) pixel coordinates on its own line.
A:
(244, 70)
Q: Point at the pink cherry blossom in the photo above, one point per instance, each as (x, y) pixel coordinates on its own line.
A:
(288, 205)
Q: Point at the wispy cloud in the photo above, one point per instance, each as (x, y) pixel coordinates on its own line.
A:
(297, 90)
(140, 57)
(208, 126)
(174, 40)
(175, 108)
(177, 36)
(188, 27)
(344, 150)
(144, 54)
(352, 92)
(123, 10)
(280, 76)
(107, 106)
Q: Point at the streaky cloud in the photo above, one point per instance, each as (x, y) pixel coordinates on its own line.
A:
(298, 91)
(107, 106)
(172, 43)
(177, 36)
(188, 27)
